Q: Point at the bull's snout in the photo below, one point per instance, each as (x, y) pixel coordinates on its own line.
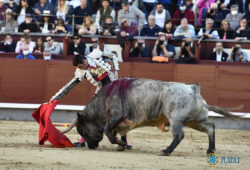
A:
(93, 145)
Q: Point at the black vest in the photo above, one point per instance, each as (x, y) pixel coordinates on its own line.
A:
(105, 14)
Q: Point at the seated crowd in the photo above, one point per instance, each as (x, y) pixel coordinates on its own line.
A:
(175, 20)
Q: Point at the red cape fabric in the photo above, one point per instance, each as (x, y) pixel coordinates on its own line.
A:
(47, 131)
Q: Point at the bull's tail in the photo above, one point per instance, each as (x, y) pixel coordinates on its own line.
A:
(224, 111)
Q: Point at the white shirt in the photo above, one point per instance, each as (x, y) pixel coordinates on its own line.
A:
(160, 18)
(60, 14)
(21, 17)
(149, 1)
(45, 29)
(218, 56)
(226, 2)
(105, 50)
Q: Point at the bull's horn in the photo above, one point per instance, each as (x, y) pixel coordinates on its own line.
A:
(70, 127)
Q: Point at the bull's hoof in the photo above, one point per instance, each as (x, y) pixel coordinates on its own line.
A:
(164, 153)
(120, 148)
(210, 151)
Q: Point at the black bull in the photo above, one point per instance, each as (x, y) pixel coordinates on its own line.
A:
(129, 103)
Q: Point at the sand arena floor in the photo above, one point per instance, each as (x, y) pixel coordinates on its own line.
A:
(19, 149)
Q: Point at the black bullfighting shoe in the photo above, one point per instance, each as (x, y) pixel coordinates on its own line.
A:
(79, 144)
(124, 139)
(129, 147)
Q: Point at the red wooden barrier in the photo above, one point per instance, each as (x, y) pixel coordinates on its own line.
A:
(36, 81)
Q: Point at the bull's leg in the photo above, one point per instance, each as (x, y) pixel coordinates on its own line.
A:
(178, 134)
(209, 128)
(115, 117)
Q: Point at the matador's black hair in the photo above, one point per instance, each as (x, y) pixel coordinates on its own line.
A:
(78, 59)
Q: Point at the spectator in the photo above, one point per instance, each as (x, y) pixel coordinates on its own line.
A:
(234, 17)
(88, 27)
(223, 7)
(242, 33)
(148, 6)
(3, 8)
(28, 25)
(109, 28)
(12, 5)
(247, 15)
(7, 45)
(183, 12)
(242, 4)
(80, 12)
(150, 29)
(104, 11)
(9, 24)
(219, 54)
(25, 54)
(189, 4)
(208, 32)
(195, 8)
(39, 48)
(47, 55)
(168, 3)
(52, 46)
(131, 13)
(76, 46)
(203, 5)
(168, 29)
(64, 11)
(22, 9)
(40, 6)
(186, 53)
(161, 14)
(226, 31)
(46, 26)
(25, 41)
(237, 55)
(60, 27)
(162, 48)
(128, 30)
(95, 42)
(140, 49)
(215, 14)
(184, 30)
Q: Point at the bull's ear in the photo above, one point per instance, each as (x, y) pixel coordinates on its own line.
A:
(81, 118)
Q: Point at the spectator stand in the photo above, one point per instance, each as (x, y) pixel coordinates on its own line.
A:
(207, 47)
(202, 50)
(57, 37)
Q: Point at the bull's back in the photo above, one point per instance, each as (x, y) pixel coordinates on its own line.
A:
(150, 100)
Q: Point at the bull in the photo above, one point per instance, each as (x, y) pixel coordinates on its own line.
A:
(129, 103)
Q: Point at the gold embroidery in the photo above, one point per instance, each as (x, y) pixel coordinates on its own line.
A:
(97, 72)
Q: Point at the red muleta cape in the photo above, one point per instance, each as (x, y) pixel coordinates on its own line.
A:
(47, 131)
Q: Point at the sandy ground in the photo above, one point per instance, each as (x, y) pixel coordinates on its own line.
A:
(19, 149)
